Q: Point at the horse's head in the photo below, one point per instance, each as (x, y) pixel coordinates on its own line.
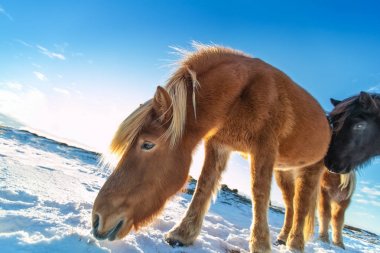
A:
(152, 168)
(356, 132)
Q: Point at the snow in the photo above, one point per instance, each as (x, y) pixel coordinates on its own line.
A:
(47, 190)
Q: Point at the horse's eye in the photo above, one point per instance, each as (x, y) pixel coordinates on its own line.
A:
(360, 126)
(147, 145)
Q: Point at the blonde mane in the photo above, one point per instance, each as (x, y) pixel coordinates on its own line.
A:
(348, 181)
(131, 126)
(129, 129)
(177, 87)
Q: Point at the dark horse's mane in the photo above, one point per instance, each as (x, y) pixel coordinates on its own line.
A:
(348, 107)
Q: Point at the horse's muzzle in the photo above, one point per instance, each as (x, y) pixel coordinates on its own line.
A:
(335, 168)
(110, 235)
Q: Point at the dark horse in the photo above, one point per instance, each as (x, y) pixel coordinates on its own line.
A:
(355, 141)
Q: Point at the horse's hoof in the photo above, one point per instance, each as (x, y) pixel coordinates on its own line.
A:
(279, 242)
(174, 243)
(339, 244)
(295, 243)
(324, 239)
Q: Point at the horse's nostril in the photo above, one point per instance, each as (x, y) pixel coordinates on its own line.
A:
(95, 223)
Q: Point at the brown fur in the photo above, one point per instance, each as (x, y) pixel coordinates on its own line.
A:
(242, 104)
(333, 202)
(300, 191)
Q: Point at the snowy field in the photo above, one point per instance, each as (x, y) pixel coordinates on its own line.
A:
(47, 190)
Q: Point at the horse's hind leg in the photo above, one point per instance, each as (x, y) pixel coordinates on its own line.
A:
(286, 183)
(215, 162)
(337, 223)
(306, 191)
(324, 214)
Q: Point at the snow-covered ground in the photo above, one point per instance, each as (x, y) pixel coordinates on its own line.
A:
(46, 194)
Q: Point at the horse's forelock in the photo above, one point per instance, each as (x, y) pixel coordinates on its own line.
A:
(129, 129)
(347, 107)
(340, 113)
(132, 125)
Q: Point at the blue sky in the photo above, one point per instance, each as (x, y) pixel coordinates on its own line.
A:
(75, 69)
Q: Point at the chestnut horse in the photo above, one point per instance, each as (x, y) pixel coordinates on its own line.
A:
(232, 102)
(355, 140)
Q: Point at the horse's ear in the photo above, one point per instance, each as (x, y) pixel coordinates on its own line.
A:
(334, 102)
(366, 100)
(162, 104)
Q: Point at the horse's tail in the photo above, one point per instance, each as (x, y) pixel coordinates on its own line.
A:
(308, 230)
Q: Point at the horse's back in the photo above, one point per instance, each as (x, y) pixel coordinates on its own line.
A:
(270, 100)
(244, 97)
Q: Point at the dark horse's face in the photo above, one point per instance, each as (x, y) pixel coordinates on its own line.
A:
(356, 132)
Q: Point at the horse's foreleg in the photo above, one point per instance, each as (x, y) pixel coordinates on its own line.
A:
(337, 223)
(215, 162)
(306, 189)
(324, 215)
(262, 163)
(286, 183)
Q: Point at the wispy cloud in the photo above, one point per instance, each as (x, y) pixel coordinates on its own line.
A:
(3, 12)
(45, 51)
(364, 214)
(375, 88)
(13, 85)
(372, 202)
(23, 43)
(375, 203)
(62, 91)
(371, 191)
(40, 76)
(362, 201)
(369, 195)
(50, 54)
